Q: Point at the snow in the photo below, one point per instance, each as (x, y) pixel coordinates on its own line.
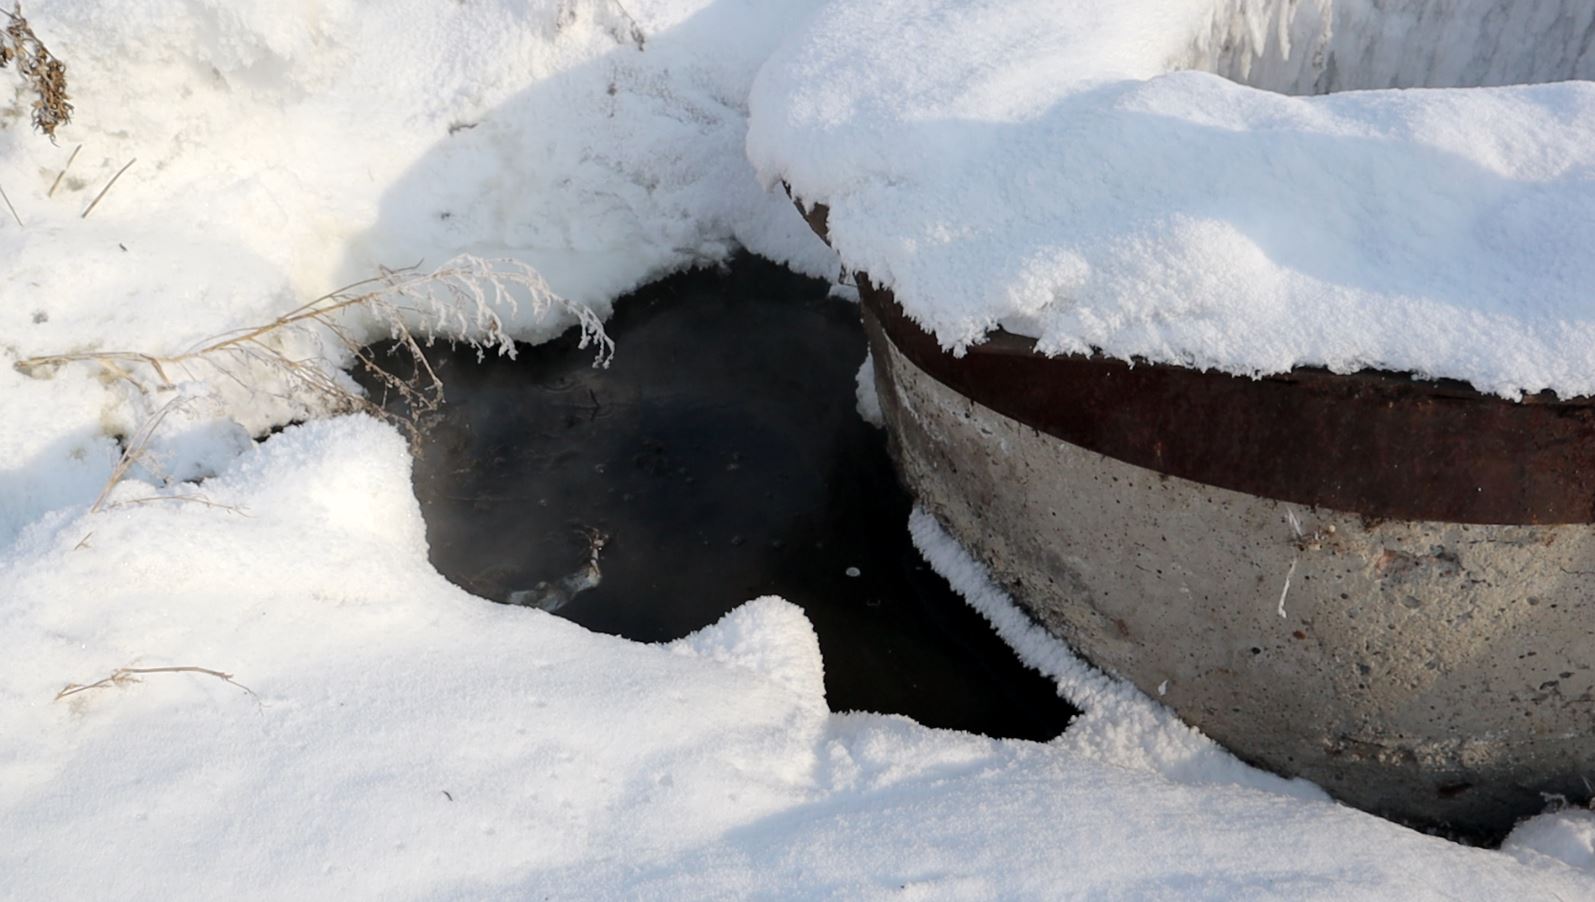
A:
(379, 692)
(297, 704)
(1567, 836)
(398, 736)
(283, 150)
(1070, 172)
(866, 399)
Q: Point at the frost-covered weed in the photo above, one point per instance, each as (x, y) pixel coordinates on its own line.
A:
(42, 74)
(299, 359)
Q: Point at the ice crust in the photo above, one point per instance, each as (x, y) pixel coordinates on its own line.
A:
(1068, 172)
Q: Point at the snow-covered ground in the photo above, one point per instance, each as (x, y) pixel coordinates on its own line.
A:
(320, 713)
(1069, 171)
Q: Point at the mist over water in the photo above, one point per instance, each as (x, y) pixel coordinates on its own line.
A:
(719, 458)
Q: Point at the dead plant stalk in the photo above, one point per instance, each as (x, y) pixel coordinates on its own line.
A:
(122, 676)
(62, 174)
(11, 208)
(459, 301)
(134, 450)
(41, 72)
(103, 191)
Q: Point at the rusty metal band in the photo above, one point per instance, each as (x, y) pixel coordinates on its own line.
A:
(1382, 445)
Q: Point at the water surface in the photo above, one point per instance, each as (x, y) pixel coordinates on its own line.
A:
(722, 457)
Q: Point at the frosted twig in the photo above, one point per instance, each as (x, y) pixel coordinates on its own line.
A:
(107, 359)
(41, 72)
(121, 676)
(62, 174)
(459, 301)
(181, 499)
(96, 201)
(135, 449)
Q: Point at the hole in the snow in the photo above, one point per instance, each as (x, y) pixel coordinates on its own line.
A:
(718, 459)
(1323, 46)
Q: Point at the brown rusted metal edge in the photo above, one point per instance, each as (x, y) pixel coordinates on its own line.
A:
(1383, 445)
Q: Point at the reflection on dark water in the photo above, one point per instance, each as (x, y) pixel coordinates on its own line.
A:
(723, 459)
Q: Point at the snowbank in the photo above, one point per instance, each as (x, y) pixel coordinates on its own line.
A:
(1065, 171)
(1567, 836)
(398, 737)
(283, 150)
(280, 697)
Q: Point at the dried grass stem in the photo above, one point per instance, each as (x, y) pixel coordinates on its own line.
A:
(62, 174)
(103, 191)
(121, 676)
(460, 301)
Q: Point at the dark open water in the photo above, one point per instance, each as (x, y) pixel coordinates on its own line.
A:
(722, 456)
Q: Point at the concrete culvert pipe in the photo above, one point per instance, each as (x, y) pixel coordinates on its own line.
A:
(1257, 386)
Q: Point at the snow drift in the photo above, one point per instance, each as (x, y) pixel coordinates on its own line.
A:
(1068, 172)
(399, 737)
